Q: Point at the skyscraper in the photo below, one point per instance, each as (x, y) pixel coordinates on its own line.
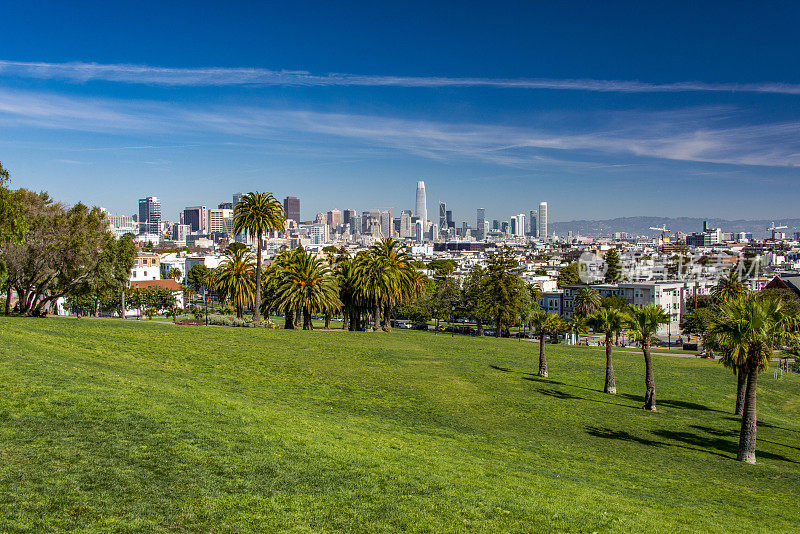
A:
(442, 215)
(236, 198)
(405, 224)
(334, 219)
(149, 215)
(386, 224)
(533, 224)
(347, 215)
(292, 207)
(479, 233)
(422, 205)
(543, 220)
(197, 218)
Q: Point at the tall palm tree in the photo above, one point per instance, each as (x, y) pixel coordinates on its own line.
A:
(308, 284)
(235, 279)
(610, 321)
(372, 282)
(544, 323)
(751, 326)
(576, 325)
(728, 286)
(402, 281)
(587, 301)
(258, 213)
(643, 324)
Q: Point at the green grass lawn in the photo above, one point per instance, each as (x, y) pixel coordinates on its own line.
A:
(136, 426)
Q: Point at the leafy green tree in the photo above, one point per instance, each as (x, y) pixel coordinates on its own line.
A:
(258, 213)
(12, 228)
(751, 326)
(62, 249)
(614, 301)
(569, 275)
(198, 278)
(643, 325)
(445, 299)
(544, 323)
(475, 298)
(504, 289)
(698, 321)
(613, 267)
(587, 300)
(235, 279)
(609, 321)
(442, 267)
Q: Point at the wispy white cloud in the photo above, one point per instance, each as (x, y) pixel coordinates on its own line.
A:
(218, 76)
(698, 135)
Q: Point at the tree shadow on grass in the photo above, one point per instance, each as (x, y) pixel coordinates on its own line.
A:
(673, 403)
(621, 435)
(534, 377)
(559, 394)
(763, 423)
(731, 447)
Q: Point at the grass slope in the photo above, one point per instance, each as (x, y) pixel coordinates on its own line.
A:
(140, 427)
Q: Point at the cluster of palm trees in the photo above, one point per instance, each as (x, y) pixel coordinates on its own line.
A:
(364, 288)
(641, 323)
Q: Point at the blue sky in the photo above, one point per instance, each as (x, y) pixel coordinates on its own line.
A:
(633, 109)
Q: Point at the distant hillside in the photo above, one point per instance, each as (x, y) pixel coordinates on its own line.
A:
(641, 225)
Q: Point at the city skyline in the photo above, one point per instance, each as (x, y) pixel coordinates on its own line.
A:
(601, 124)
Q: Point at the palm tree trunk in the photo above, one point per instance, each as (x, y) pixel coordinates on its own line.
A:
(376, 315)
(307, 319)
(345, 317)
(327, 320)
(288, 319)
(649, 379)
(387, 318)
(611, 386)
(747, 435)
(257, 306)
(297, 313)
(542, 359)
(741, 388)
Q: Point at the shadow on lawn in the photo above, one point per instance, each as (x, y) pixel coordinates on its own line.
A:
(673, 403)
(716, 445)
(533, 377)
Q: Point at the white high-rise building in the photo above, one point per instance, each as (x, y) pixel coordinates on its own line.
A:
(542, 220)
(422, 205)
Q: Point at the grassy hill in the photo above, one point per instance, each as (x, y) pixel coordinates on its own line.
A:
(133, 426)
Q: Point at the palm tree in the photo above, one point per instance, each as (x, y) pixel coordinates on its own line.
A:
(544, 323)
(730, 286)
(307, 284)
(751, 326)
(576, 325)
(258, 213)
(174, 273)
(235, 279)
(610, 321)
(587, 301)
(643, 324)
(372, 282)
(401, 281)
